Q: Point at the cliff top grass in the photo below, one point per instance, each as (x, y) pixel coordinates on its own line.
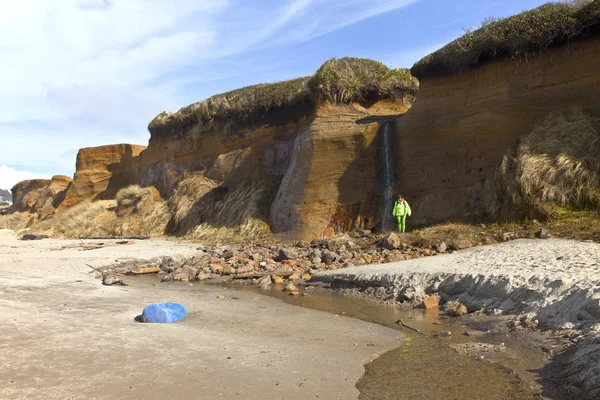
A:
(356, 79)
(338, 80)
(517, 36)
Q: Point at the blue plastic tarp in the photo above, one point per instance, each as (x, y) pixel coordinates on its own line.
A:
(164, 313)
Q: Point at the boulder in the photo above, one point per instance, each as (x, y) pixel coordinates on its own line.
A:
(202, 276)
(441, 248)
(315, 257)
(216, 269)
(391, 242)
(290, 287)
(542, 234)
(34, 236)
(265, 280)
(329, 256)
(455, 309)
(277, 279)
(430, 302)
(190, 272)
(245, 269)
(287, 254)
(229, 270)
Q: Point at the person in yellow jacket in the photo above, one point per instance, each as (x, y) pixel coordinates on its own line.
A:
(401, 210)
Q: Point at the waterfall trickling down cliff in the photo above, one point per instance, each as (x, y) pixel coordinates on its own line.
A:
(385, 172)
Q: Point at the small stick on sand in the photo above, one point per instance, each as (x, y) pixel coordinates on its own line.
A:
(400, 322)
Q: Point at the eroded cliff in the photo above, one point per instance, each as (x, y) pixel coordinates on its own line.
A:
(458, 130)
(101, 172)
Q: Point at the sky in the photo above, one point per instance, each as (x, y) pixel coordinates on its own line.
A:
(81, 73)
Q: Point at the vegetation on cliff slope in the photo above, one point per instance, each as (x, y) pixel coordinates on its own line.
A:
(558, 163)
(355, 79)
(517, 36)
(338, 80)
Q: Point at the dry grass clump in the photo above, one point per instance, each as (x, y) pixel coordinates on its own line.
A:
(200, 209)
(136, 212)
(557, 163)
(80, 221)
(355, 79)
(15, 220)
(136, 200)
(517, 36)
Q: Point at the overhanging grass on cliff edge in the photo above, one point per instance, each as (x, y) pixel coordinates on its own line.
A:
(517, 36)
(338, 80)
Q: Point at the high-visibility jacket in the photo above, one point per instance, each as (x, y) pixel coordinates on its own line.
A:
(401, 208)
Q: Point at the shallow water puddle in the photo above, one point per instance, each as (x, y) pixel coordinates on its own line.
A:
(425, 367)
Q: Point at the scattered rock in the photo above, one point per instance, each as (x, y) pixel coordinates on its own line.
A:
(190, 272)
(474, 333)
(202, 276)
(244, 269)
(290, 287)
(277, 279)
(146, 270)
(474, 349)
(216, 269)
(229, 270)
(455, 309)
(430, 302)
(461, 244)
(441, 248)
(294, 293)
(391, 242)
(443, 334)
(265, 280)
(181, 277)
(34, 236)
(315, 257)
(287, 254)
(294, 277)
(110, 279)
(508, 236)
(542, 234)
(301, 244)
(227, 254)
(220, 297)
(329, 256)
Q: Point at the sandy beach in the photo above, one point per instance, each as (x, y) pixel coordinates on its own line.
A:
(67, 336)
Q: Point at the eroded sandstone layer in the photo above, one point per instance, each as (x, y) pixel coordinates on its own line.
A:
(460, 126)
(101, 172)
(39, 195)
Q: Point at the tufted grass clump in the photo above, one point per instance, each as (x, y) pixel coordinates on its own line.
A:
(517, 36)
(557, 164)
(356, 79)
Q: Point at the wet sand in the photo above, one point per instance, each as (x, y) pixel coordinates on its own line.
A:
(66, 336)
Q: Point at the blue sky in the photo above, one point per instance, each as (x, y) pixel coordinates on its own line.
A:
(79, 73)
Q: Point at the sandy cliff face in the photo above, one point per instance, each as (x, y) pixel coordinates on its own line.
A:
(256, 154)
(101, 172)
(39, 195)
(331, 184)
(460, 126)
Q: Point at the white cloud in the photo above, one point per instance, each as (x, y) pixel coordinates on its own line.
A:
(9, 176)
(79, 73)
